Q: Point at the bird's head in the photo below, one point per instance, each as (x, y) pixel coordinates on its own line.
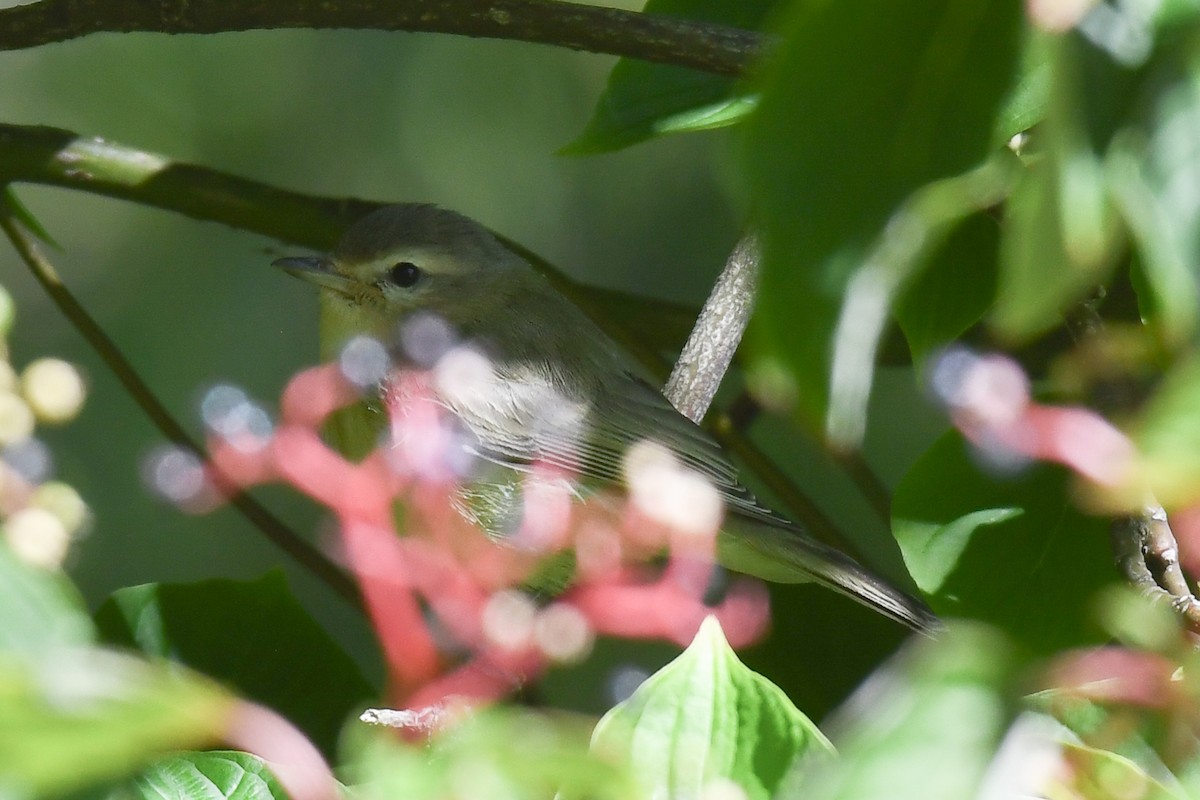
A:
(405, 258)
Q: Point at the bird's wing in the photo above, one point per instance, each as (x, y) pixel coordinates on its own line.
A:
(588, 432)
(538, 416)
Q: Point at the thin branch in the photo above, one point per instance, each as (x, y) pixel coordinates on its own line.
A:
(718, 331)
(1143, 544)
(1140, 541)
(703, 46)
(264, 520)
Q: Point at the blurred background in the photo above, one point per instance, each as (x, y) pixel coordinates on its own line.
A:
(472, 125)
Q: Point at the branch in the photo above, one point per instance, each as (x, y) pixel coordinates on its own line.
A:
(259, 516)
(709, 350)
(703, 46)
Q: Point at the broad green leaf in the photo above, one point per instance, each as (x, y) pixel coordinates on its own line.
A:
(865, 103)
(644, 100)
(253, 636)
(212, 775)
(954, 291)
(38, 609)
(926, 728)
(1003, 550)
(706, 717)
(81, 716)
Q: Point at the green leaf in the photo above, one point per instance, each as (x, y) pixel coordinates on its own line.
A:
(38, 609)
(213, 775)
(705, 717)
(27, 219)
(954, 291)
(1151, 169)
(1002, 550)
(1027, 104)
(81, 716)
(926, 728)
(501, 752)
(253, 636)
(1168, 437)
(644, 100)
(1060, 234)
(1127, 755)
(866, 103)
(1100, 773)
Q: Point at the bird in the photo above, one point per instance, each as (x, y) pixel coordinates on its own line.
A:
(563, 392)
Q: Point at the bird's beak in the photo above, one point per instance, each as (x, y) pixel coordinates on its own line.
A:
(317, 270)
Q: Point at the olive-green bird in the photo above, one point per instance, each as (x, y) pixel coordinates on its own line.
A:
(546, 356)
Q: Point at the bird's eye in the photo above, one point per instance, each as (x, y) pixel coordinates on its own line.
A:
(404, 274)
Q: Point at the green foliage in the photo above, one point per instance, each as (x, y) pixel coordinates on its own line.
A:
(38, 610)
(500, 753)
(644, 100)
(955, 171)
(72, 714)
(864, 104)
(212, 775)
(254, 637)
(1002, 549)
(926, 728)
(706, 717)
(954, 291)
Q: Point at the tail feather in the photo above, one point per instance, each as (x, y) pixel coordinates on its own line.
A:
(789, 554)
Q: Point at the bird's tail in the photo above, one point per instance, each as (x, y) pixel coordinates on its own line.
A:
(786, 553)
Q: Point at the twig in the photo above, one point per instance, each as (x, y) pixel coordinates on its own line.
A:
(702, 46)
(1148, 556)
(710, 348)
(264, 520)
(1143, 544)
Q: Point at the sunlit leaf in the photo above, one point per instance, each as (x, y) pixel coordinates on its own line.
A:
(1060, 235)
(705, 717)
(1153, 171)
(38, 609)
(1168, 437)
(644, 100)
(519, 755)
(1101, 773)
(88, 715)
(865, 103)
(213, 775)
(925, 728)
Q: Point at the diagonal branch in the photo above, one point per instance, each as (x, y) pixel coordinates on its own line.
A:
(709, 350)
(703, 46)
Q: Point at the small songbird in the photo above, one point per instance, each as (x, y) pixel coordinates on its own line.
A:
(562, 391)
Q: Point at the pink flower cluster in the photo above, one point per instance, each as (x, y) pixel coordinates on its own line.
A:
(440, 578)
